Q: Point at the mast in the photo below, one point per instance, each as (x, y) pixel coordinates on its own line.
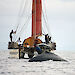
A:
(36, 22)
(36, 18)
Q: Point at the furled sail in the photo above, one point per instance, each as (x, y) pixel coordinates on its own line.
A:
(36, 17)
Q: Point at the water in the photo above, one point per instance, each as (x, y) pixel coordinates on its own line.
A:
(9, 66)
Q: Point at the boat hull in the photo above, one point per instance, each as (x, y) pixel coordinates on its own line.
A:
(45, 56)
(12, 45)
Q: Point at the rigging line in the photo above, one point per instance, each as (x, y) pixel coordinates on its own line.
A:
(22, 30)
(21, 7)
(25, 6)
(46, 23)
(44, 5)
(43, 30)
(23, 26)
(26, 21)
(26, 26)
(19, 14)
(23, 1)
(19, 33)
(47, 27)
(46, 18)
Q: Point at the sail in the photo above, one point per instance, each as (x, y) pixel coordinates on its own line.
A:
(36, 17)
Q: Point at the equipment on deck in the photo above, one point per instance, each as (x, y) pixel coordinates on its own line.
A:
(28, 43)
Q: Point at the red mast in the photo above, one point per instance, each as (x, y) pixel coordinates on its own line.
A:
(36, 17)
(36, 23)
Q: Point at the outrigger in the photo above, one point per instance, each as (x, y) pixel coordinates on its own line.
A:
(28, 44)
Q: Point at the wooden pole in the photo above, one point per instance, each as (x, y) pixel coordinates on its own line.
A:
(19, 50)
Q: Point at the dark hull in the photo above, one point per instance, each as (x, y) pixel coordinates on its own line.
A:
(46, 56)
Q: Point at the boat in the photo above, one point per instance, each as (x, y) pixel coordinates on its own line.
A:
(28, 43)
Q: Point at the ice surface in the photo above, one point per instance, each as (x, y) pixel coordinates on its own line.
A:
(11, 66)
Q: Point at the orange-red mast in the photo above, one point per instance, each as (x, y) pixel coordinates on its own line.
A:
(36, 23)
(36, 17)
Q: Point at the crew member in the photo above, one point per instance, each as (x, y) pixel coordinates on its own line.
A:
(12, 32)
(19, 41)
(19, 46)
(46, 39)
(38, 49)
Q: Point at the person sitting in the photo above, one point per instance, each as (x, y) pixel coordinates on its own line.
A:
(12, 32)
(38, 49)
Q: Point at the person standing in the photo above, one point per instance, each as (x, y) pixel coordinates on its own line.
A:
(46, 39)
(19, 46)
(19, 41)
(12, 32)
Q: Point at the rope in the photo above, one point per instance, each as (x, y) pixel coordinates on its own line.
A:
(19, 33)
(43, 30)
(26, 7)
(46, 21)
(18, 21)
(25, 25)
(23, 7)
(25, 4)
